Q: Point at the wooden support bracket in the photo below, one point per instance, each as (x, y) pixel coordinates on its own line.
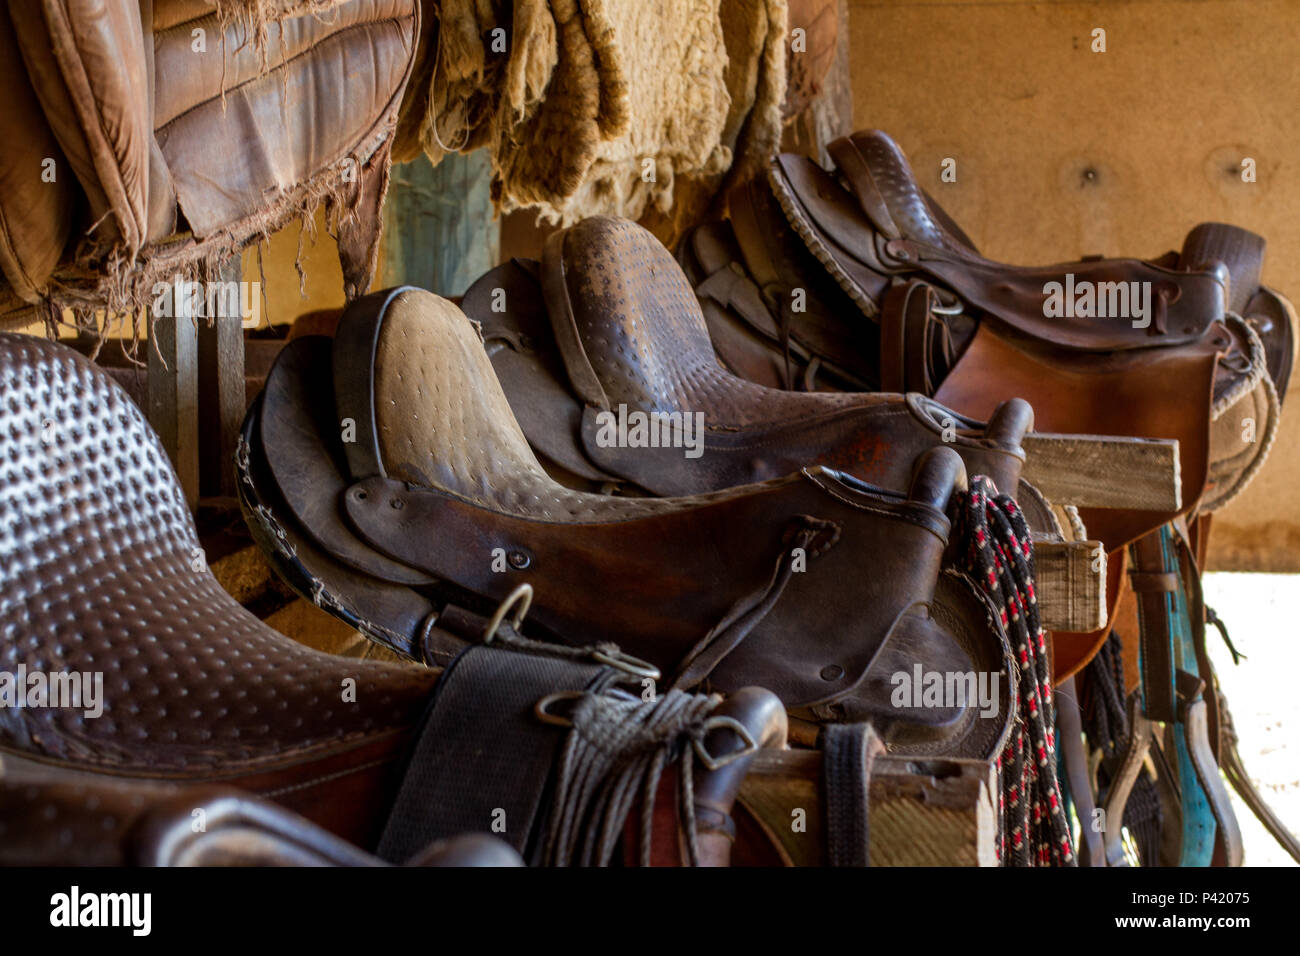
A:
(1099, 471)
(1070, 584)
(923, 812)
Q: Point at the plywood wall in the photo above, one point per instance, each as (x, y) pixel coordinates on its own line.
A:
(1062, 151)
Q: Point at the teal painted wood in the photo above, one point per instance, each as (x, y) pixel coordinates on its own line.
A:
(439, 231)
(1196, 847)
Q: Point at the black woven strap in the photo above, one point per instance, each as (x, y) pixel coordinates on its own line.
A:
(847, 753)
(482, 762)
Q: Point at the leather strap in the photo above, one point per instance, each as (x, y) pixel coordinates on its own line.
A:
(1154, 579)
(848, 751)
(483, 759)
(750, 609)
(1235, 771)
(904, 325)
(1175, 672)
(1206, 768)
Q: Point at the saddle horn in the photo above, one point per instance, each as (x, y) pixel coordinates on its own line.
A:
(938, 473)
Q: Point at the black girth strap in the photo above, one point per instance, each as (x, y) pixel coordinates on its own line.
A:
(483, 759)
(847, 753)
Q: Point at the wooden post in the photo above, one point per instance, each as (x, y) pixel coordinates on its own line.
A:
(173, 392)
(439, 230)
(220, 389)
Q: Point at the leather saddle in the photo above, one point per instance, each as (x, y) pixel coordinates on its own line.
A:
(387, 478)
(121, 118)
(138, 695)
(607, 328)
(938, 318)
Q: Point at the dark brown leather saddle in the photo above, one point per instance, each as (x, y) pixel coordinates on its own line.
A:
(138, 695)
(606, 330)
(387, 478)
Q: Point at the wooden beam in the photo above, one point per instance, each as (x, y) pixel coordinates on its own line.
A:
(174, 392)
(1099, 471)
(923, 812)
(221, 392)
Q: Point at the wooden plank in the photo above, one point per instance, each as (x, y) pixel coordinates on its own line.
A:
(1070, 584)
(1101, 471)
(173, 395)
(923, 812)
(221, 393)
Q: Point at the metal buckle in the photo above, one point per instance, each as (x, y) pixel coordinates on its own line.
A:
(942, 308)
(716, 722)
(627, 664)
(524, 594)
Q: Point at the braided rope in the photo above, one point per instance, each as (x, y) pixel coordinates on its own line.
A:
(615, 755)
(999, 555)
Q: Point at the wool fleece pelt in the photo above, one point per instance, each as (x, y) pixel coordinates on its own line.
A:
(599, 106)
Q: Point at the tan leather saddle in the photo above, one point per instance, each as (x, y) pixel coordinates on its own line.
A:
(136, 691)
(936, 317)
(147, 137)
(388, 479)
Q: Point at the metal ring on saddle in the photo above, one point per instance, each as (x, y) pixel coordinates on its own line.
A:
(542, 709)
(718, 722)
(622, 661)
(524, 594)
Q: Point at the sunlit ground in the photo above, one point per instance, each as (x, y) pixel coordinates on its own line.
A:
(1262, 612)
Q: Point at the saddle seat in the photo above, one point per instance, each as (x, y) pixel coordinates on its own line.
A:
(434, 503)
(104, 575)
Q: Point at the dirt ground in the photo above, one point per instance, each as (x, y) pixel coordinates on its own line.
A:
(1262, 612)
